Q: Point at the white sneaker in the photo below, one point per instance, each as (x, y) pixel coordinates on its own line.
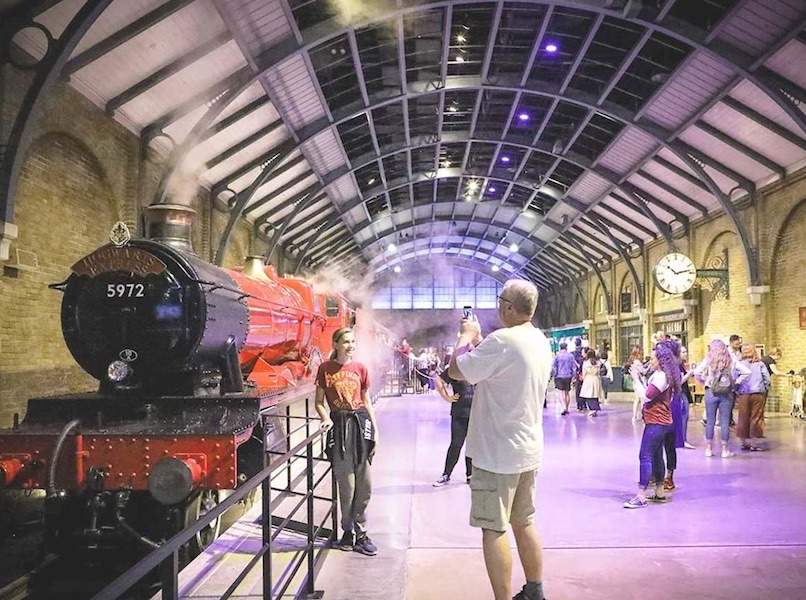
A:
(708, 452)
(689, 446)
(443, 480)
(726, 453)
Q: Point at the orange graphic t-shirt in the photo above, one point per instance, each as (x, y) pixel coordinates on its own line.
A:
(343, 384)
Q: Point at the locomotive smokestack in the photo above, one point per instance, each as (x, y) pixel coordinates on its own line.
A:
(254, 267)
(171, 225)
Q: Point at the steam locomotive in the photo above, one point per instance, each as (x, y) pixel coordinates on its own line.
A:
(187, 355)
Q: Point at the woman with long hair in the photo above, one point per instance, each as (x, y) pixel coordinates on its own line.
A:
(719, 375)
(591, 393)
(343, 404)
(656, 396)
(751, 396)
(636, 362)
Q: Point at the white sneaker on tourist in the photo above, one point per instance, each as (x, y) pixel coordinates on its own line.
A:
(726, 453)
(689, 446)
(708, 452)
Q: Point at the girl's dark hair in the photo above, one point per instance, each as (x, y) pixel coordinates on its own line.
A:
(337, 335)
(668, 352)
(591, 355)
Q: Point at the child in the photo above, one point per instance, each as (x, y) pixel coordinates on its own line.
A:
(797, 382)
(352, 435)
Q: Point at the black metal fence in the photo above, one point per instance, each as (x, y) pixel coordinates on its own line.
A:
(276, 464)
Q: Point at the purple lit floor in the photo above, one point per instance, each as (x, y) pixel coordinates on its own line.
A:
(736, 528)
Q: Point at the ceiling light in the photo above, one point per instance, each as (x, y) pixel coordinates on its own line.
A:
(452, 108)
(472, 185)
(551, 47)
(397, 269)
(513, 247)
(495, 268)
(491, 189)
(392, 248)
(523, 116)
(461, 38)
(371, 181)
(460, 59)
(505, 159)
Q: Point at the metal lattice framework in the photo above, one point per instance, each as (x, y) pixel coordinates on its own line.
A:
(576, 130)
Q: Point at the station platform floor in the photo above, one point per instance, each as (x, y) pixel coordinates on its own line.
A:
(735, 529)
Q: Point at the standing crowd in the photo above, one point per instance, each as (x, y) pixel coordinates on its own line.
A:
(497, 385)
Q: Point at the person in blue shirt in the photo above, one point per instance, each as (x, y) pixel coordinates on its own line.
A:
(563, 370)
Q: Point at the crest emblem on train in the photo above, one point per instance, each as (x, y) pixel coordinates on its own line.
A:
(128, 355)
(120, 235)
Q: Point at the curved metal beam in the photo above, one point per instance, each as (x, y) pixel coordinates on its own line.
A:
(558, 275)
(639, 285)
(598, 273)
(47, 73)
(242, 199)
(453, 261)
(574, 279)
(382, 235)
(540, 279)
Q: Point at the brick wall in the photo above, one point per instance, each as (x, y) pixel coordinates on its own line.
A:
(777, 219)
(82, 173)
(65, 207)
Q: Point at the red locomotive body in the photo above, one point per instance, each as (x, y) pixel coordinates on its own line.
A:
(187, 355)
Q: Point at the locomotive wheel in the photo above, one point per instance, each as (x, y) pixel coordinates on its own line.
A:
(198, 506)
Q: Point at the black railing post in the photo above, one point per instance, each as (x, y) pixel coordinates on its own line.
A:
(265, 487)
(288, 446)
(309, 580)
(334, 508)
(170, 577)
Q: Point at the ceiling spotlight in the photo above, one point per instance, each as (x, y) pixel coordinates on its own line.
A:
(491, 189)
(495, 268)
(460, 59)
(523, 116)
(397, 269)
(551, 47)
(513, 247)
(452, 108)
(461, 38)
(371, 181)
(472, 185)
(505, 159)
(392, 248)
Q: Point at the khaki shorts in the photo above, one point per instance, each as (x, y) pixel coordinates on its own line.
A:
(499, 499)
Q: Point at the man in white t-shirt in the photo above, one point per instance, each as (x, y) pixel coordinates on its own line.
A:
(510, 369)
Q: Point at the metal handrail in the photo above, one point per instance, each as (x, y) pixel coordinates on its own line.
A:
(166, 557)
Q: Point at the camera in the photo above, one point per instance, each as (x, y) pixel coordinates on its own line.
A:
(467, 312)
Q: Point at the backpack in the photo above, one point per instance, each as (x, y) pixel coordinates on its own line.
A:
(722, 382)
(602, 369)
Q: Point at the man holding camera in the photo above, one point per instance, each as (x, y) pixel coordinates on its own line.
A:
(510, 369)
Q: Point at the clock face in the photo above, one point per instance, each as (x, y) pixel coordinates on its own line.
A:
(675, 273)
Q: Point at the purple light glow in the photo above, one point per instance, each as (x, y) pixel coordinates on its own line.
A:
(491, 189)
(505, 159)
(552, 47)
(523, 116)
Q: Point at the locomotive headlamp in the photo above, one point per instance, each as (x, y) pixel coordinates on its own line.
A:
(118, 371)
(173, 479)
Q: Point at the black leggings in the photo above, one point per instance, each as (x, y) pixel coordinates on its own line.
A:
(671, 452)
(458, 434)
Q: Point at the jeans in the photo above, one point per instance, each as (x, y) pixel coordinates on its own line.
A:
(650, 456)
(723, 403)
(670, 447)
(458, 434)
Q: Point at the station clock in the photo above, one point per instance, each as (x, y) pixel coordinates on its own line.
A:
(675, 273)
